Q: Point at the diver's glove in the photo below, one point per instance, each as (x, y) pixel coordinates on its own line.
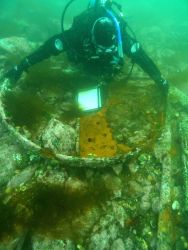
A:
(163, 85)
(15, 73)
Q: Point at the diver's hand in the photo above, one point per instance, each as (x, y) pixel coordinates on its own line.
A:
(164, 86)
(15, 73)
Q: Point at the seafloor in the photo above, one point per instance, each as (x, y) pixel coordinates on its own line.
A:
(135, 198)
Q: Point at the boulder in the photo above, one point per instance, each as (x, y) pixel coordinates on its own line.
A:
(59, 137)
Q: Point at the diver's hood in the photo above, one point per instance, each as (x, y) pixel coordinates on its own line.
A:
(103, 32)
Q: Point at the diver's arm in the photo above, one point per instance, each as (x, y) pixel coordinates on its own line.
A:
(53, 46)
(133, 50)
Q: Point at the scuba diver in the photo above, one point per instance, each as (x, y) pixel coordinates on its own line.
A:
(98, 39)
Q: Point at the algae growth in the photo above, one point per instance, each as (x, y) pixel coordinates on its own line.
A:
(140, 203)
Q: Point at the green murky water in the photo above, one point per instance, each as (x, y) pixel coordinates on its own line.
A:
(161, 27)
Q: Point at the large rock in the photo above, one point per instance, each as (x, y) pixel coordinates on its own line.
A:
(16, 45)
(42, 243)
(59, 137)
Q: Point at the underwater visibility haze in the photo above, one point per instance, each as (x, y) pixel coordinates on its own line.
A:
(113, 178)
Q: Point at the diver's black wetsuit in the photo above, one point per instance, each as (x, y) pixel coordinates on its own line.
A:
(77, 43)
